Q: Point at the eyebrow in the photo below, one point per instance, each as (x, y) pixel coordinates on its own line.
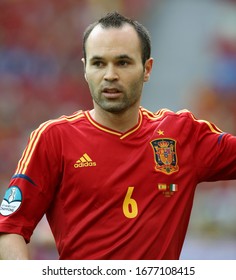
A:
(95, 58)
(122, 56)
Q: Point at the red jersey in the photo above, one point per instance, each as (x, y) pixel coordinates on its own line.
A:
(112, 195)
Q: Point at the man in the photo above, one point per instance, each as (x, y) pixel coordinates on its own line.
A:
(118, 181)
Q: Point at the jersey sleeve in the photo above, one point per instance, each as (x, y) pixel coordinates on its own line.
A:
(33, 185)
(215, 152)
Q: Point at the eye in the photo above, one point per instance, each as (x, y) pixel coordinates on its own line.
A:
(98, 64)
(123, 62)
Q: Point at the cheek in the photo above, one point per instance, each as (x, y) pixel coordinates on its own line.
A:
(138, 80)
(93, 85)
(89, 78)
(93, 77)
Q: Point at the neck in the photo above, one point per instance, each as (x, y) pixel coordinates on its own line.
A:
(121, 122)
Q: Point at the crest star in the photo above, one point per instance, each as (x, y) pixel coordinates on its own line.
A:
(160, 132)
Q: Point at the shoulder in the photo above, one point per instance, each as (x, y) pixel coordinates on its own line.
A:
(62, 122)
(167, 114)
(183, 118)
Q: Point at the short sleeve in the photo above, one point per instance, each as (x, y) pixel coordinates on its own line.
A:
(33, 185)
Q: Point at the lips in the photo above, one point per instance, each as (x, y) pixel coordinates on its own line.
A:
(111, 92)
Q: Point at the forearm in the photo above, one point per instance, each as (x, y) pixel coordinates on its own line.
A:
(13, 247)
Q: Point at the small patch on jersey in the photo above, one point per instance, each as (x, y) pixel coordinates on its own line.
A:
(11, 202)
(160, 132)
(168, 190)
(165, 155)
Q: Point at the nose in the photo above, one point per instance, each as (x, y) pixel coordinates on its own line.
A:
(110, 73)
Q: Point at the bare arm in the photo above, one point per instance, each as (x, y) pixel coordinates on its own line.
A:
(13, 247)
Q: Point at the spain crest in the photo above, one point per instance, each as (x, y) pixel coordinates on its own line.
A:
(165, 155)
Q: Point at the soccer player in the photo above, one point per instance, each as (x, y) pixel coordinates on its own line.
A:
(117, 181)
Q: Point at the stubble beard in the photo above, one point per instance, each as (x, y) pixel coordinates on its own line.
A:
(115, 106)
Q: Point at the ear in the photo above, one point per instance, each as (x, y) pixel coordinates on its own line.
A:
(147, 69)
(84, 63)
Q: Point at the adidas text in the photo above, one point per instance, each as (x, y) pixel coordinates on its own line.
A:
(84, 164)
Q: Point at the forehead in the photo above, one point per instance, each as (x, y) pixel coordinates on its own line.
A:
(105, 41)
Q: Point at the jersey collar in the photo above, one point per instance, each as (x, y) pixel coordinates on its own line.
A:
(114, 132)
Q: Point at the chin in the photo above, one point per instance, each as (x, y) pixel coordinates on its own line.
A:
(115, 109)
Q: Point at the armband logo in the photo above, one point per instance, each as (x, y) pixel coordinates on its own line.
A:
(11, 202)
(165, 155)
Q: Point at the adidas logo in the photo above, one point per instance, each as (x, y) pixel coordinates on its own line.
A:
(84, 161)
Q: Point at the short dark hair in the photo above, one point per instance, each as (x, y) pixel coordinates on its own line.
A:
(116, 20)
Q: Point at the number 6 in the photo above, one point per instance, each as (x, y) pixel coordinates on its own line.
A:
(130, 207)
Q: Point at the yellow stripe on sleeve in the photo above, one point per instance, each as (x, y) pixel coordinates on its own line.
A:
(34, 138)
